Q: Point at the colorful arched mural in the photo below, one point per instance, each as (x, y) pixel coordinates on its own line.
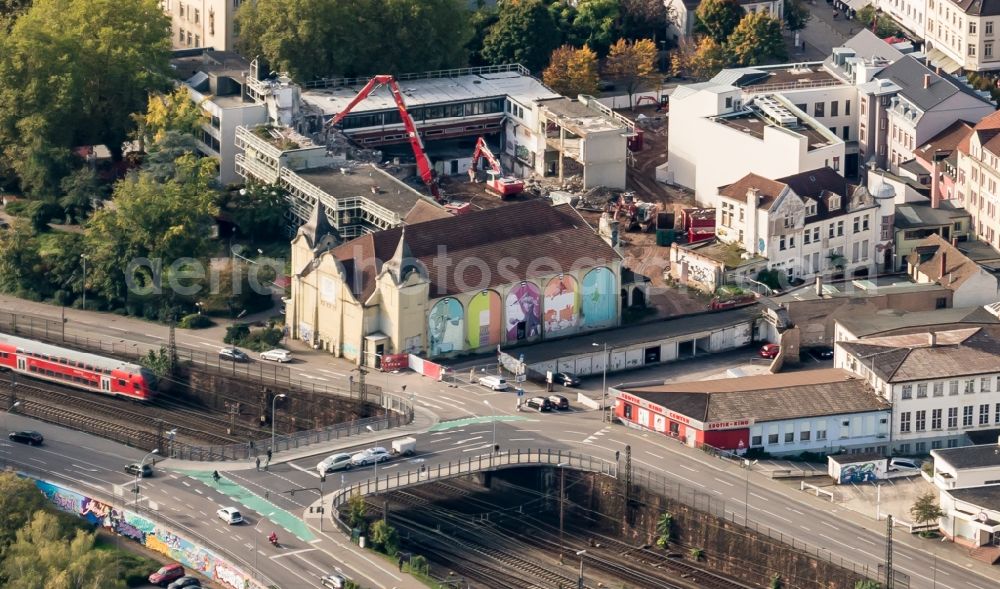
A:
(524, 312)
(561, 304)
(445, 327)
(484, 320)
(598, 303)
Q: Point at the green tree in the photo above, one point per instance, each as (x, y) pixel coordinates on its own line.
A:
(632, 63)
(664, 528)
(259, 211)
(356, 512)
(373, 36)
(19, 499)
(20, 263)
(80, 189)
(598, 23)
(523, 34)
(868, 584)
(10, 10)
(41, 212)
(164, 154)
(868, 16)
(643, 19)
(926, 510)
(797, 16)
(718, 18)
(481, 22)
(384, 537)
(572, 71)
(44, 555)
(756, 39)
(169, 112)
(71, 73)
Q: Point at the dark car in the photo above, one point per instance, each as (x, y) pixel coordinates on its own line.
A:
(559, 402)
(540, 404)
(134, 470)
(185, 581)
(233, 355)
(821, 353)
(30, 438)
(566, 379)
(167, 574)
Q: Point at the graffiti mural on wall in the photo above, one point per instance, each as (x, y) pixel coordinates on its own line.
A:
(524, 312)
(599, 300)
(149, 533)
(484, 320)
(444, 326)
(562, 304)
(866, 472)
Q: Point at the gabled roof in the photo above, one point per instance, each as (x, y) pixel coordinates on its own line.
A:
(425, 210)
(508, 243)
(908, 74)
(816, 183)
(769, 189)
(978, 7)
(319, 233)
(927, 255)
(867, 45)
(987, 130)
(945, 142)
(911, 357)
(769, 397)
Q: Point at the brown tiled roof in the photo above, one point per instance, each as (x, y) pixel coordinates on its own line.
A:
(769, 189)
(819, 185)
(769, 397)
(988, 132)
(904, 358)
(958, 267)
(425, 211)
(515, 242)
(944, 142)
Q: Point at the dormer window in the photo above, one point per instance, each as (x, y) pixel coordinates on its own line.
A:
(811, 209)
(834, 202)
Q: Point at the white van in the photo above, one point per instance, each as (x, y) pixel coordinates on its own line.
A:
(904, 464)
(496, 383)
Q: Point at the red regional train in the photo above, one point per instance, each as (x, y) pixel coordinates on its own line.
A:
(76, 369)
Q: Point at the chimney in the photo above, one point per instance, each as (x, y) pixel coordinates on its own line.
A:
(753, 197)
(954, 242)
(927, 81)
(944, 265)
(819, 286)
(932, 338)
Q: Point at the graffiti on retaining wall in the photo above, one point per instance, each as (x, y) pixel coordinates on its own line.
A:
(149, 533)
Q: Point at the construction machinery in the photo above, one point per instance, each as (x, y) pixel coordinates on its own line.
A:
(423, 162)
(497, 182)
(633, 214)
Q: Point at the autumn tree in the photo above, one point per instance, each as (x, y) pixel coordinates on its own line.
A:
(797, 16)
(756, 39)
(372, 36)
(701, 58)
(718, 18)
(174, 111)
(632, 63)
(572, 71)
(523, 34)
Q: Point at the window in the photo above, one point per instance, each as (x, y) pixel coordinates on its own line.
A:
(904, 422)
(996, 416)
(834, 108)
(810, 210)
(864, 223)
(921, 421)
(818, 109)
(935, 419)
(989, 27)
(972, 27)
(789, 437)
(972, 50)
(180, 6)
(836, 158)
(857, 224)
(921, 447)
(772, 438)
(939, 389)
(847, 132)
(936, 445)
(988, 49)
(922, 391)
(967, 416)
(804, 436)
(847, 108)
(952, 417)
(840, 226)
(816, 239)
(729, 102)
(970, 386)
(781, 243)
(628, 411)
(984, 414)
(197, 16)
(211, 21)
(756, 441)
(953, 387)
(197, 40)
(984, 385)
(907, 391)
(180, 36)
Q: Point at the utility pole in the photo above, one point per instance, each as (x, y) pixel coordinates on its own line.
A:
(889, 575)
(171, 348)
(562, 507)
(628, 477)
(233, 409)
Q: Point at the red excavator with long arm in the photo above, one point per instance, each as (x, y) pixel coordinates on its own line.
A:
(497, 182)
(423, 162)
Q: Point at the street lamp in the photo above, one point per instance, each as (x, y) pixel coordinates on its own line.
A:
(493, 448)
(747, 464)
(604, 382)
(580, 553)
(273, 420)
(84, 258)
(170, 436)
(138, 473)
(372, 430)
(562, 503)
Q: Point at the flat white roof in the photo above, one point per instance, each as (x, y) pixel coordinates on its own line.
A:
(521, 88)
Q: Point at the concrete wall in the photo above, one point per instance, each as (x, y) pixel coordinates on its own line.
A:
(604, 159)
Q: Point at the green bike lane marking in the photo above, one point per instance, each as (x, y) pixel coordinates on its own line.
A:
(250, 500)
(446, 425)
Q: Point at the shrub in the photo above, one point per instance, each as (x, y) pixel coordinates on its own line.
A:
(195, 321)
(696, 553)
(384, 537)
(236, 333)
(18, 208)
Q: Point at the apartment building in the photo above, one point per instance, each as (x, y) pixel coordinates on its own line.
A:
(942, 385)
(909, 14)
(681, 14)
(962, 34)
(979, 177)
(202, 23)
(935, 260)
(804, 224)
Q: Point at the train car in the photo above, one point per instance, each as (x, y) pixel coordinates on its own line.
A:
(80, 370)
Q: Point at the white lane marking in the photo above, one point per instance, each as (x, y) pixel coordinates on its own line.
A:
(527, 430)
(845, 545)
(37, 460)
(717, 492)
(687, 467)
(467, 440)
(74, 465)
(724, 482)
(805, 528)
(752, 494)
(793, 510)
(577, 433)
(305, 470)
(331, 372)
(185, 483)
(867, 540)
(316, 540)
(152, 336)
(311, 563)
(521, 439)
(439, 440)
(831, 525)
(653, 455)
(785, 519)
(307, 375)
(293, 552)
(211, 345)
(474, 448)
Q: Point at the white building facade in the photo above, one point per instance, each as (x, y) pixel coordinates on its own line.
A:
(962, 35)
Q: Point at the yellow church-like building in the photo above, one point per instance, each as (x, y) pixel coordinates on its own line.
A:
(442, 285)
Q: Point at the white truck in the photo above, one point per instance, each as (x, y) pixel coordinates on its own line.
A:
(404, 446)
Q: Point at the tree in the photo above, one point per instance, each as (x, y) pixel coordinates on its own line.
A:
(164, 154)
(632, 63)
(80, 189)
(169, 112)
(797, 16)
(925, 509)
(869, 17)
(356, 512)
(384, 537)
(45, 555)
(597, 23)
(373, 36)
(259, 211)
(523, 34)
(868, 584)
(71, 73)
(699, 59)
(19, 499)
(664, 528)
(481, 21)
(643, 19)
(718, 18)
(572, 71)
(10, 10)
(756, 39)
(20, 263)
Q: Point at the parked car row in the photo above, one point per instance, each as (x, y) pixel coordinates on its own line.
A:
(499, 383)
(237, 355)
(552, 402)
(172, 576)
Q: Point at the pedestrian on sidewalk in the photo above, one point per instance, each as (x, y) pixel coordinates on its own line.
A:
(258, 463)
(267, 463)
(269, 455)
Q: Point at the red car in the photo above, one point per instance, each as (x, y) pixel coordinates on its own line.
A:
(768, 351)
(167, 574)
